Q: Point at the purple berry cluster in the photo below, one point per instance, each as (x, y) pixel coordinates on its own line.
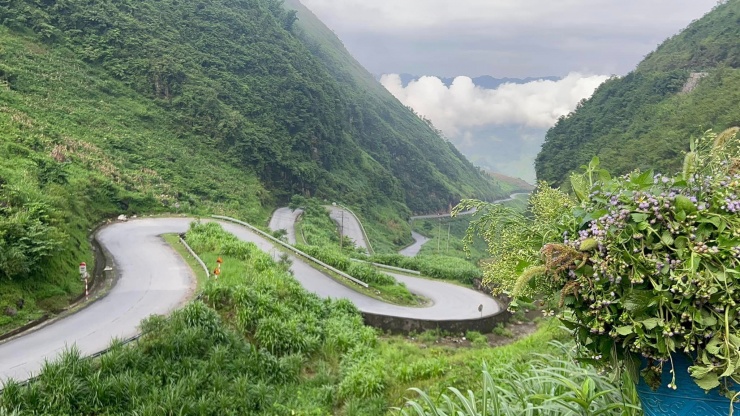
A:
(652, 264)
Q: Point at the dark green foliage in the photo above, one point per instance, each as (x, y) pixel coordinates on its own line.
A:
(28, 235)
(643, 120)
(439, 267)
(447, 234)
(71, 154)
(431, 171)
(707, 43)
(229, 72)
(343, 262)
(315, 228)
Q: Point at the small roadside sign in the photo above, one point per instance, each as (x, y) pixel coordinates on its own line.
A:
(83, 268)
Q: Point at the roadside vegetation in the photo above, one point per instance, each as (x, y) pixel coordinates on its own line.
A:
(550, 384)
(320, 238)
(446, 236)
(255, 342)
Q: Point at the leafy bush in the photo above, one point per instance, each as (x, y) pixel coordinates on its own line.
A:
(364, 375)
(644, 264)
(28, 230)
(364, 272)
(439, 267)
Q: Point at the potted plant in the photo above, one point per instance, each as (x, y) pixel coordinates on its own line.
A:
(645, 269)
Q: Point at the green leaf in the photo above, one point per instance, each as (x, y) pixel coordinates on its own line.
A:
(594, 163)
(681, 242)
(644, 179)
(708, 382)
(729, 370)
(637, 301)
(639, 217)
(667, 238)
(708, 319)
(625, 330)
(650, 323)
(670, 345)
(699, 371)
(632, 364)
(714, 345)
(681, 215)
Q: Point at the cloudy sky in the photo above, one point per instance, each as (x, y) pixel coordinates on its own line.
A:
(504, 38)
(582, 41)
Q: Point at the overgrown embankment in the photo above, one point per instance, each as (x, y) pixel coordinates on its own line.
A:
(256, 343)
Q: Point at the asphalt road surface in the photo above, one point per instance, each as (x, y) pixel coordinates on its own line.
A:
(154, 279)
(413, 249)
(348, 225)
(284, 219)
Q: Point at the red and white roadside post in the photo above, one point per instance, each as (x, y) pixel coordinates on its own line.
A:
(217, 271)
(83, 276)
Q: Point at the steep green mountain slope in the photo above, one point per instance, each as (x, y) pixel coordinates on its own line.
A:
(146, 106)
(645, 119)
(387, 130)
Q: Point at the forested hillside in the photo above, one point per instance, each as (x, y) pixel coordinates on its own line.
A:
(231, 72)
(134, 107)
(646, 118)
(385, 128)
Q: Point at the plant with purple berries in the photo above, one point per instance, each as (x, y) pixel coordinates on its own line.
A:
(643, 265)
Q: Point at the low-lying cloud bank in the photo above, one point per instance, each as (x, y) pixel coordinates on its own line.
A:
(464, 105)
(499, 129)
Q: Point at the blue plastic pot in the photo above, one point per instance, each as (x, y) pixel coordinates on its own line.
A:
(687, 400)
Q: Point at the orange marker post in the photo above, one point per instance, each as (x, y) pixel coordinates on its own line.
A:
(217, 272)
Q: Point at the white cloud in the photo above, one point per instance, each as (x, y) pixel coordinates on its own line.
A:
(463, 105)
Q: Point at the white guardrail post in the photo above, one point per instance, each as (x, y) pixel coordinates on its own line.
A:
(293, 249)
(192, 253)
(385, 266)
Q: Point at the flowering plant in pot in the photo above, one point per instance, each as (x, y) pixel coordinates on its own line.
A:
(645, 267)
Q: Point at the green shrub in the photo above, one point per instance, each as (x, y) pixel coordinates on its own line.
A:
(502, 330)
(54, 304)
(439, 267)
(364, 379)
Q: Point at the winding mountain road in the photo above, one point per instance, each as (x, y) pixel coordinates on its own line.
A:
(154, 279)
(285, 218)
(468, 212)
(415, 248)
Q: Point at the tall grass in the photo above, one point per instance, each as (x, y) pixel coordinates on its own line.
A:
(548, 385)
(251, 346)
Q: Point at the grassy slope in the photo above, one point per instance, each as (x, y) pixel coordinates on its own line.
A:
(260, 344)
(642, 120)
(107, 152)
